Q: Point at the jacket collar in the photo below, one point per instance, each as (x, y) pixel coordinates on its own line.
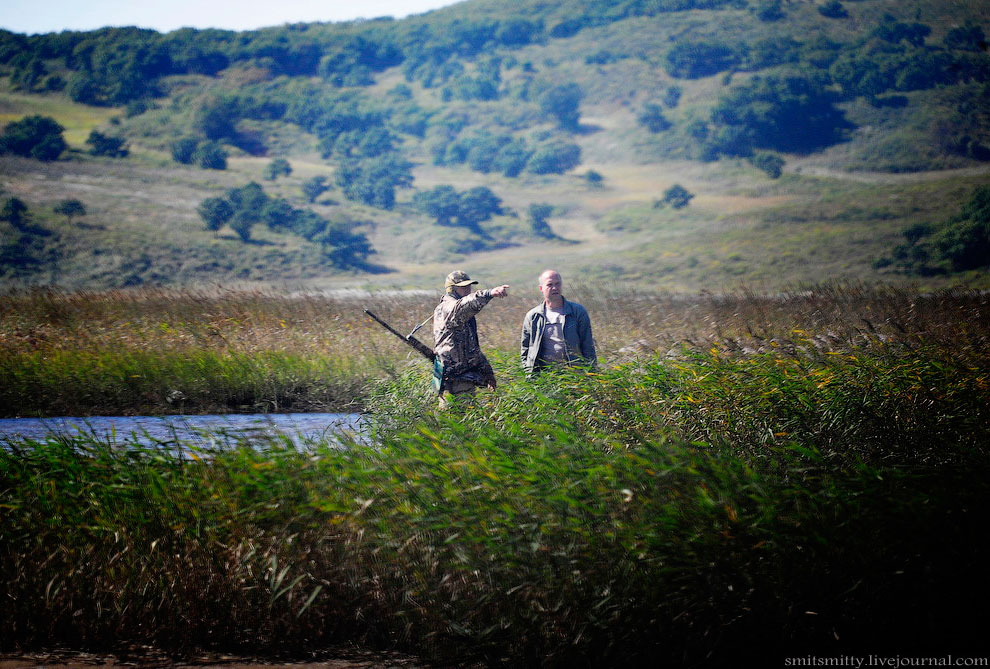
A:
(566, 309)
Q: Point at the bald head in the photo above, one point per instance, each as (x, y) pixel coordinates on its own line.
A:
(552, 288)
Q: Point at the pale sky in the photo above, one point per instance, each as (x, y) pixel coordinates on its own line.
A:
(45, 16)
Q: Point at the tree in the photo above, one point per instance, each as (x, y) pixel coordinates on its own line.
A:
(833, 9)
(539, 213)
(442, 202)
(478, 204)
(562, 102)
(769, 162)
(106, 145)
(184, 149)
(314, 188)
(790, 112)
(70, 209)
(342, 246)
(964, 240)
(689, 59)
(15, 212)
(652, 118)
(671, 96)
(210, 156)
(278, 214)
(677, 196)
(37, 137)
(554, 158)
(468, 209)
(373, 182)
(967, 37)
(215, 212)
(241, 223)
(249, 199)
(279, 167)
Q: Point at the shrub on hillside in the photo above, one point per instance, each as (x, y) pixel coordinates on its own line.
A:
(106, 145)
(959, 243)
(37, 137)
(554, 158)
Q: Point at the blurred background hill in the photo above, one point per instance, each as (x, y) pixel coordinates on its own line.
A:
(688, 144)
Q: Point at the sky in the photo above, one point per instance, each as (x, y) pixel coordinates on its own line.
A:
(45, 16)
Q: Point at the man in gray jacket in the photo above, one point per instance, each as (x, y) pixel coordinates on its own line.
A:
(557, 331)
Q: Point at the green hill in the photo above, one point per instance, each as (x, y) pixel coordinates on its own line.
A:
(812, 139)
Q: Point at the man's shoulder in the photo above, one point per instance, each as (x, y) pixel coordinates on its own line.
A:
(574, 308)
(538, 309)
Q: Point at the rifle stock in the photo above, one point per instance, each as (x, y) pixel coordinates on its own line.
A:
(419, 346)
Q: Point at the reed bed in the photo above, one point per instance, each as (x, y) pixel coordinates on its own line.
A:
(810, 479)
(167, 351)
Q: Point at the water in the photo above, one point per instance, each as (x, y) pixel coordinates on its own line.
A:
(210, 431)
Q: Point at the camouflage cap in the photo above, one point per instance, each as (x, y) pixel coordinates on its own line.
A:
(458, 278)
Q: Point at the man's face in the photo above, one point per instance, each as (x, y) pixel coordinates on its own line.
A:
(551, 286)
(462, 291)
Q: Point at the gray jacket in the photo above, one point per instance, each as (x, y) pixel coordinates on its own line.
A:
(577, 336)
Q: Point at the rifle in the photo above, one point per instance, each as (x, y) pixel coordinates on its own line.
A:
(420, 347)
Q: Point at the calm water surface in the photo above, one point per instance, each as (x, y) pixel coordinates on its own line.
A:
(207, 431)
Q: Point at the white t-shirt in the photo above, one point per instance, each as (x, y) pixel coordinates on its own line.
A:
(552, 346)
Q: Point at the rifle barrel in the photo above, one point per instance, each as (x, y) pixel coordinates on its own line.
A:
(419, 346)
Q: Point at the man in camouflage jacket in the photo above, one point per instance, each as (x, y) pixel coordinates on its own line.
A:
(462, 366)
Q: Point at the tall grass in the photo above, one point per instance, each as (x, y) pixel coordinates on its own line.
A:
(164, 351)
(692, 507)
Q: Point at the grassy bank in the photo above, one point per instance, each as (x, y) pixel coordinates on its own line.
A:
(162, 351)
(822, 493)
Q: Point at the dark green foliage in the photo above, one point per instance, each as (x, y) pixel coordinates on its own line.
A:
(563, 102)
(353, 63)
(342, 246)
(278, 214)
(37, 137)
(676, 196)
(769, 162)
(833, 9)
(768, 10)
(554, 158)
(466, 209)
(692, 60)
(538, 215)
(246, 206)
(793, 112)
(652, 118)
(771, 51)
(136, 108)
(373, 182)
(313, 187)
(893, 31)
(279, 167)
(106, 145)
(671, 96)
(184, 149)
(957, 244)
(216, 118)
(210, 155)
(248, 198)
(215, 212)
(15, 212)
(441, 202)
(70, 209)
(967, 37)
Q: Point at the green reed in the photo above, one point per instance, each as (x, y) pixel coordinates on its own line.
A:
(697, 508)
(126, 351)
(130, 382)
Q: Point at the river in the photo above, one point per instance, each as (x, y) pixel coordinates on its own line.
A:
(211, 431)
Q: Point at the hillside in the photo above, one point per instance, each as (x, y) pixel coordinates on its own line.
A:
(507, 137)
